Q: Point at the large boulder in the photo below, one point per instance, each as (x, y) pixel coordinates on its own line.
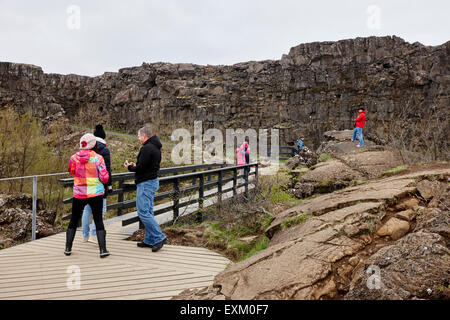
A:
(417, 266)
(323, 248)
(16, 220)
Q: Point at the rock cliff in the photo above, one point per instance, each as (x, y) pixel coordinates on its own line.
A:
(314, 88)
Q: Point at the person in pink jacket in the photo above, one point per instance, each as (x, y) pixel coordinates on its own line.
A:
(90, 175)
(243, 157)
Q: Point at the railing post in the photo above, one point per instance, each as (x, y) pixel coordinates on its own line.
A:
(256, 175)
(219, 187)
(235, 181)
(120, 197)
(194, 179)
(200, 198)
(176, 199)
(246, 172)
(33, 227)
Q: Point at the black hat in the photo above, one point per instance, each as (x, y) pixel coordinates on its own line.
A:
(99, 132)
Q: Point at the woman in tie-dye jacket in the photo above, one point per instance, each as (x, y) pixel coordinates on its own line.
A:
(89, 171)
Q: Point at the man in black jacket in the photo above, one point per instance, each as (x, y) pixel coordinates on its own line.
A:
(147, 183)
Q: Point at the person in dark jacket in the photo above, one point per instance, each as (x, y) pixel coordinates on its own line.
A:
(147, 183)
(100, 135)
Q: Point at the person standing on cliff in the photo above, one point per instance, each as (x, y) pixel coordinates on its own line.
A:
(147, 183)
(360, 120)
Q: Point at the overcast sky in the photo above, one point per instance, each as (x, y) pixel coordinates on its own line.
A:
(91, 37)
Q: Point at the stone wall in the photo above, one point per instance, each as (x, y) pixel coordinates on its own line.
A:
(314, 88)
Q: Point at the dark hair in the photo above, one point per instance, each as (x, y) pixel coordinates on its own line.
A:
(99, 131)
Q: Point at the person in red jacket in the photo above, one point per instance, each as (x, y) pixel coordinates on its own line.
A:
(359, 126)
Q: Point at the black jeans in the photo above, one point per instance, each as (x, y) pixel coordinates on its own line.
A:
(246, 172)
(96, 205)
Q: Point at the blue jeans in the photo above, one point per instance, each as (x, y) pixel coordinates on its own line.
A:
(86, 219)
(360, 136)
(144, 204)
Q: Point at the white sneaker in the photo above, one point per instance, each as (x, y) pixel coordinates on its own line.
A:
(358, 146)
(85, 239)
(93, 239)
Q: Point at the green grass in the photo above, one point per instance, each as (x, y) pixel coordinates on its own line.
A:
(256, 245)
(393, 171)
(324, 157)
(278, 195)
(230, 239)
(294, 221)
(325, 183)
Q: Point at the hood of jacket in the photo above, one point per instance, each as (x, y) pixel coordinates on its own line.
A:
(101, 144)
(155, 141)
(83, 155)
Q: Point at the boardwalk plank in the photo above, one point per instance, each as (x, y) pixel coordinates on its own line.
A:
(39, 270)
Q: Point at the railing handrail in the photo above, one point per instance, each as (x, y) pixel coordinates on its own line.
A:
(175, 179)
(201, 187)
(36, 175)
(130, 175)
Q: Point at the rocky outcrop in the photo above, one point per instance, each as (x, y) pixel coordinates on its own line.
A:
(16, 220)
(314, 88)
(329, 247)
(341, 164)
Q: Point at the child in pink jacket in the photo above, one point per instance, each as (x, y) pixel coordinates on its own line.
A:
(89, 171)
(243, 155)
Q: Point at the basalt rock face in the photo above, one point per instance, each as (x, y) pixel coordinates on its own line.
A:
(314, 88)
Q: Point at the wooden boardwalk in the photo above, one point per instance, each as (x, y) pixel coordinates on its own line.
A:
(40, 270)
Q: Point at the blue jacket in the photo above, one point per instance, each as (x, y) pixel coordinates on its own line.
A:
(299, 143)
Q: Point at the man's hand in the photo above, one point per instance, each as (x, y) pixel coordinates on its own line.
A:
(126, 164)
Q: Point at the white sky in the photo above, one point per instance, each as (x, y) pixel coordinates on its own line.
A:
(114, 34)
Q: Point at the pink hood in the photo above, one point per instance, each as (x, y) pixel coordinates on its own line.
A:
(83, 156)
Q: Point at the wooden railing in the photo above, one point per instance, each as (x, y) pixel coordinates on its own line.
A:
(175, 193)
(178, 176)
(123, 185)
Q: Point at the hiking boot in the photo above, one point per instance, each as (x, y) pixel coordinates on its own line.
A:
(157, 246)
(101, 237)
(143, 245)
(70, 235)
